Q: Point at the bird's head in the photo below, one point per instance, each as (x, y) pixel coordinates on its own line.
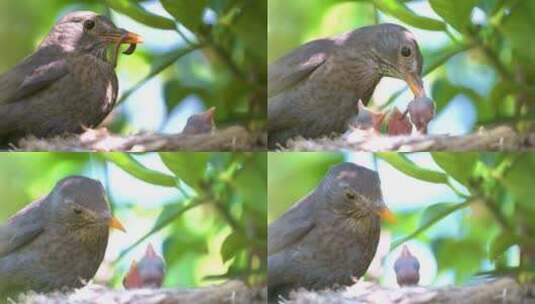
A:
(394, 51)
(356, 190)
(88, 32)
(200, 123)
(80, 204)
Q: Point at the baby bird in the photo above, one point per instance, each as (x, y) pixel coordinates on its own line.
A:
(148, 273)
(407, 268)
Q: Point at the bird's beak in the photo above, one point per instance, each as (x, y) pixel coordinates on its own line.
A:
(415, 84)
(209, 116)
(114, 223)
(386, 215)
(122, 36)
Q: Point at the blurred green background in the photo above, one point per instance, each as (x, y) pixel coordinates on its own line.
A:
(196, 54)
(478, 54)
(464, 215)
(205, 212)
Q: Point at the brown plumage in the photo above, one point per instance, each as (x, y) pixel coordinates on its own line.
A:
(314, 89)
(67, 84)
(330, 236)
(56, 242)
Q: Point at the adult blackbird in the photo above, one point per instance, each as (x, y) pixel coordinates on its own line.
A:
(407, 268)
(314, 90)
(67, 84)
(57, 241)
(330, 236)
(148, 273)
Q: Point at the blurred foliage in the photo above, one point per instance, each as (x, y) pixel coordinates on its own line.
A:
(479, 49)
(490, 224)
(219, 60)
(221, 201)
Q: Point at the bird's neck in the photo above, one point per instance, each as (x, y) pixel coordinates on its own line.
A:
(359, 72)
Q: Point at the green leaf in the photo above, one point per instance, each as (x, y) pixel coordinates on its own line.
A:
(437, 58)
(232, 245)
(458, 165)
(188, 12)
(430, 216)
(397, 9)
(129, 164)
(517, 26)
(168, 215)
(501, 243)
(405, 165)
(190, 167)
(466, 264)
(175, 92)
(162, 63)
(138, 13)
(456, 13)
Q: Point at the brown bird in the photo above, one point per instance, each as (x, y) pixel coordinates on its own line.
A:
(148, 273)
(367, 119)
(58, 241)
(398, 123)
(331, 235)
(200, 123)
(67, 84)
(407, 268)
(314, 89)
(422, 111)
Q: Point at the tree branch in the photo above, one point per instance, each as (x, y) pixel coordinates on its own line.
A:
(231, 292)
(234, 138)
(504, 290)
(498, 139)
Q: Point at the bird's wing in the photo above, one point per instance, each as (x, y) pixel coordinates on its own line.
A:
(291, 69)
(291, 226)
(35, 80)
(21, 229)
(30, 77)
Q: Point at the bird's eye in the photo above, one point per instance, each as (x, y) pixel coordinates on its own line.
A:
(406, 51)
(89, 24)
(350, 195)
(77, 211)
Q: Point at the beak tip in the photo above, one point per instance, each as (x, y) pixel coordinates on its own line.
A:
(387, 215)
(115, 224)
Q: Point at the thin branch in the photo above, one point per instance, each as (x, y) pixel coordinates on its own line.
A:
(160, 226)
(172, 57)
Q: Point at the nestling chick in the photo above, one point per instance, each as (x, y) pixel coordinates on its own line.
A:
(200, 123)
(148, 273)
(399, 123)
(407, 268)
(367, 119)
(422, 111)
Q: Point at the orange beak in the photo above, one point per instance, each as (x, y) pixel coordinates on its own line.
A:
(122, 36)
(387, 215)
(114, 223)
(415, 84)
